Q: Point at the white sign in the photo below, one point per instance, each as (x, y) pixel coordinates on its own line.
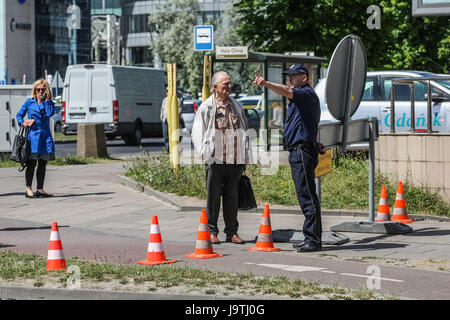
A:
(203, 38)
(57, 81)
(231, 52)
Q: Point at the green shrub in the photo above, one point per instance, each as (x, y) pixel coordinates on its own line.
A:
(346, 187)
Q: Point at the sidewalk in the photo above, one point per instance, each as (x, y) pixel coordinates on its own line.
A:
(430, 238)
(97, 197)
(101, 216)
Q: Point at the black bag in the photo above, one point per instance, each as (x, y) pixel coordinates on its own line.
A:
(246, 197)
(21, 148)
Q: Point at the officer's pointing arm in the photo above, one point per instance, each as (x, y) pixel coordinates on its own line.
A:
(275, 87)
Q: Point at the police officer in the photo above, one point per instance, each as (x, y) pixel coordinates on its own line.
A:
(300, 137)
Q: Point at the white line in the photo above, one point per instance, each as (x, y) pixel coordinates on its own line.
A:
(364, 276)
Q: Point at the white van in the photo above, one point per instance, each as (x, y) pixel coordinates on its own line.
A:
(376, 102)
(126, 99)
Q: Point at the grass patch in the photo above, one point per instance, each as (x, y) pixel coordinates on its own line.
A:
(155, 171)
(59, 161)
(76, 160)
(15, 267)
(346, 187)
(59, 136)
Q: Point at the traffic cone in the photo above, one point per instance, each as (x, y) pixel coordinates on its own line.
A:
(155, 251)
(55, 258)
(400, 214)
(203, 248)
(384, 212)
(264, 241)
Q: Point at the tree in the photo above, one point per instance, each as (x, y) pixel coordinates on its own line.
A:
(174, 22)
(403, 42)
(242, 74)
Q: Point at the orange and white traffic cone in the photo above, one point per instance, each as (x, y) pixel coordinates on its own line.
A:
(55, 258)
(203, 247)
(264, 241)
(155, 251)
(400, 214)
(384, 212)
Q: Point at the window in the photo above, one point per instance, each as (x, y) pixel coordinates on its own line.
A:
(403, 91)
(370, 90)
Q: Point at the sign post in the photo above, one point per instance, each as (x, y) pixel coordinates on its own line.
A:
(206, 89)
(345, 87)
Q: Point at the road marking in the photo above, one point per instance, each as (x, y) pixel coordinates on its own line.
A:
(294, 268)
(369, 276)
(287, 267)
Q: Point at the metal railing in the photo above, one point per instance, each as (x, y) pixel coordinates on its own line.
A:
(410, 82)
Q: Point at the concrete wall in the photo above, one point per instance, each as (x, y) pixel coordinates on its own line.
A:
(421, 159)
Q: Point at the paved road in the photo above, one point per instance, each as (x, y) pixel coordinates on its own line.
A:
(116, 148)
(103, 220)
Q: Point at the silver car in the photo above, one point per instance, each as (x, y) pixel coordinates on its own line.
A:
(57, 118)
(188, 113)
(376, 101)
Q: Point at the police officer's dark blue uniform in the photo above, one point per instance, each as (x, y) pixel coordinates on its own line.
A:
(300, 137)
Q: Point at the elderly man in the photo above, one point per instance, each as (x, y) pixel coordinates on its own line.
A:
(219, 135)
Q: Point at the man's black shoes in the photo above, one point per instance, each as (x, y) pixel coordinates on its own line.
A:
(307, 247)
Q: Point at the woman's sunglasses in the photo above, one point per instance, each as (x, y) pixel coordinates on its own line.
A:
(40, 89)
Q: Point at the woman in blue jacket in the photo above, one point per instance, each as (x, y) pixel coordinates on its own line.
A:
(39, 108)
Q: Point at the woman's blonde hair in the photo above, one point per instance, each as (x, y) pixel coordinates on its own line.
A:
(47, 88)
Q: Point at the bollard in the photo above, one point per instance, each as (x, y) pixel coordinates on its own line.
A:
(91, 140)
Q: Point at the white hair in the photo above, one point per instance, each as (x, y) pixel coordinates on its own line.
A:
(216, 77)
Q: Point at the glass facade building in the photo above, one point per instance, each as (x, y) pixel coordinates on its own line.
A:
(105, 14)
(55, 50)
(102, 7)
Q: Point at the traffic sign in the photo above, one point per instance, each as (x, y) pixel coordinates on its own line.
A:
(346, 81)
(203, 38)
(346, 78)
(325, 164)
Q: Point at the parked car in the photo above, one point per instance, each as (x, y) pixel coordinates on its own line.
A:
(252, 102)
(376, 101)
(57, 118)
(253, 109)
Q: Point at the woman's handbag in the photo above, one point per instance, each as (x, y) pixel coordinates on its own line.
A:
(246, 197)
(21, 148)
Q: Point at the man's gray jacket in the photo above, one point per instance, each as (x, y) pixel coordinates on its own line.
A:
(204, 131)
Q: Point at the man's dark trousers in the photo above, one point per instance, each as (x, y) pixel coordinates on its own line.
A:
(303, 161)
(222, 180)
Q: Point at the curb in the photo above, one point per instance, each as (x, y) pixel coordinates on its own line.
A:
(65, 141)
(30, 293)
(292, 210)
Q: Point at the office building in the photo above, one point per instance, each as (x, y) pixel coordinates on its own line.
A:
(105, 31)
(17, 42)
(57, 46)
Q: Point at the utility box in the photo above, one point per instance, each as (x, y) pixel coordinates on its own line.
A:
(12, 98)
(91, 140)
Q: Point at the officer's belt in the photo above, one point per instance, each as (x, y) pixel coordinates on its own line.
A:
(301, 144)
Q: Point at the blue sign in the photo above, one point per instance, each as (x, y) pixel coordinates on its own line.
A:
(203, 38)
(22, 1)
